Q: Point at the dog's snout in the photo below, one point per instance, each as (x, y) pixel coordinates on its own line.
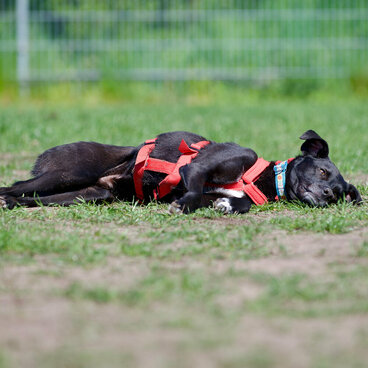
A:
(328, 193)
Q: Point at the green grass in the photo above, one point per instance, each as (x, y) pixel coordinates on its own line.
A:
(154, 39)
(298, 295)
(271, 129)
(158, 286)
(132, 279)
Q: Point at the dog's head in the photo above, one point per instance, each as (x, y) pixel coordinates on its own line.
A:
(312, 177)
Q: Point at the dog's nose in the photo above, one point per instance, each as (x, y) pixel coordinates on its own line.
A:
(328, 193)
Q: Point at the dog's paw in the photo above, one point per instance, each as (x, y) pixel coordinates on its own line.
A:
(3, 203)
(223, 205)
(175, 208)
(7, 202)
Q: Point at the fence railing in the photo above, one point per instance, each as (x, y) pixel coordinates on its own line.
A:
(254, 40)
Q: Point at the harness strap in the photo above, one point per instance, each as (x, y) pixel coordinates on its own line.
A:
(154, 164)
(250, 177)
(140, 164)
(173, 178)
(144, 162)
(246, 182)
(255, 194)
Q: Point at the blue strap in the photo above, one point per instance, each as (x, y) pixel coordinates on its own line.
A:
(280, 178)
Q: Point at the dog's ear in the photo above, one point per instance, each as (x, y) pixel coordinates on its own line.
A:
(352, 195)
(314, 145)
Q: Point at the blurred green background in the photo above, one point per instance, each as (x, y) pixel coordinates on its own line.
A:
(203, 50)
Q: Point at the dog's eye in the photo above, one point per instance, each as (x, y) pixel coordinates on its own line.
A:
(323, 172)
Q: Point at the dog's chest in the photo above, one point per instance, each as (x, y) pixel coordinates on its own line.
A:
(224, 191)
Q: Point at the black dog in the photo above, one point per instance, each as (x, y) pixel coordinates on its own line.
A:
(183, 169)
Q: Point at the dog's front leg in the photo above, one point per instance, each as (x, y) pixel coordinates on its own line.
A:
(233, 204)
(194, 176)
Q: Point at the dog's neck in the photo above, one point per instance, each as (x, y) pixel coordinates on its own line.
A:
(267, 182)
(280, 169)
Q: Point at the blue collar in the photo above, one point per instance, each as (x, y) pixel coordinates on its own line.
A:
(280, 178)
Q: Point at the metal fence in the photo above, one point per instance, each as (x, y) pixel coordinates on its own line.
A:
(254, 40)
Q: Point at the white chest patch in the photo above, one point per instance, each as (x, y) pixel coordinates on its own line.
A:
(226, 192)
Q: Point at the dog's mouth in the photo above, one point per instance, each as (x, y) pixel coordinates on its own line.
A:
(310, 199)
(315, 201)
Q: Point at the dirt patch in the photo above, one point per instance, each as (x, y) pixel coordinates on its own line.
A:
(45, 275)
(288, 341)
(43, 333)
(40, 328)
(29, 322)
(305, 253)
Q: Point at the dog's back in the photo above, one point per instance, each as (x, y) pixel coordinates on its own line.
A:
(91, 158)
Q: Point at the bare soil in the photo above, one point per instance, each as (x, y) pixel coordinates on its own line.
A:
(40, 327)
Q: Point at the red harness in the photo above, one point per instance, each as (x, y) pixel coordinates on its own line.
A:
(246, 182)
(144, 162)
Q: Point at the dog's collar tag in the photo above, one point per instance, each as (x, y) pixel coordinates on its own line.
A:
(280, 178)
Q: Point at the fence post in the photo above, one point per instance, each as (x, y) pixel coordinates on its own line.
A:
(22, 21)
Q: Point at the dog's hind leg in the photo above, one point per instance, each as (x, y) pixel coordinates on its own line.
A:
(48, 183)
(90, 194)
(70, 167)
